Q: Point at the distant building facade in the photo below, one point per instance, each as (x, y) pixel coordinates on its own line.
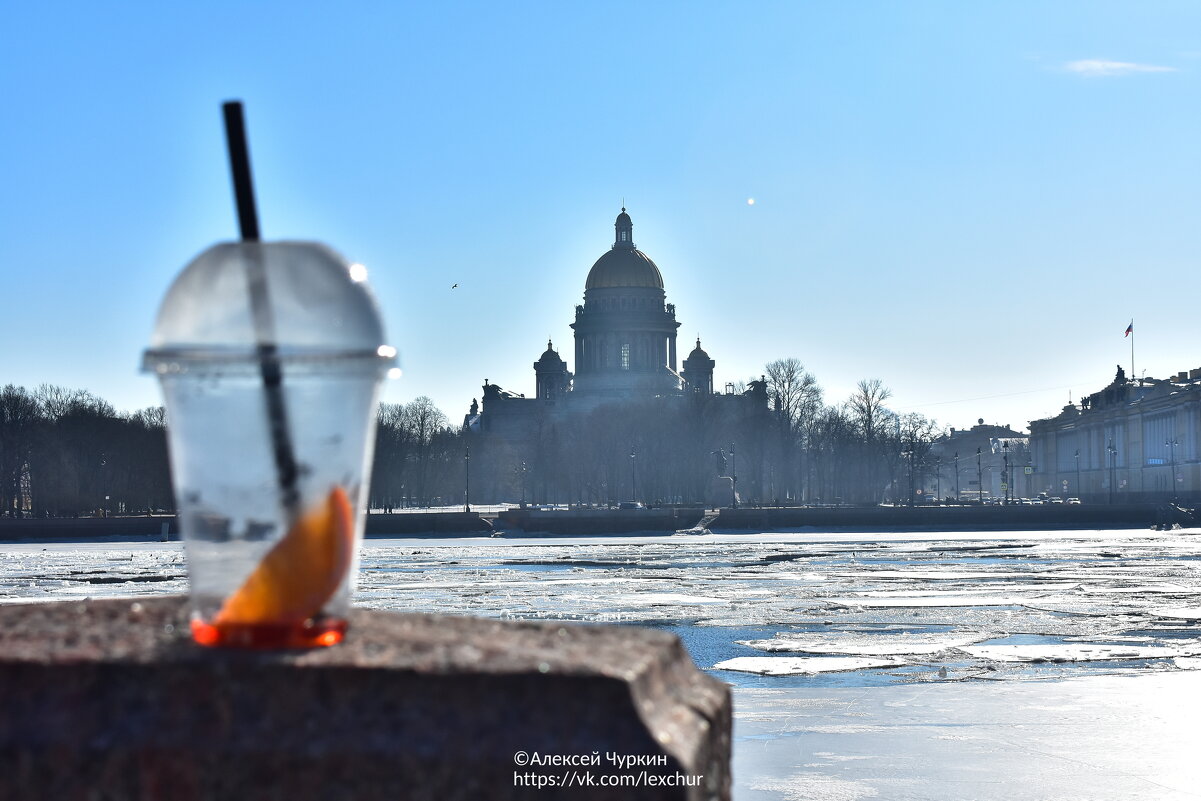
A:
(1133, 441)
(972, 462)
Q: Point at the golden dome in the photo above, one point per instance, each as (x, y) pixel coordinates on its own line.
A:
(624, 265)
(624, 268)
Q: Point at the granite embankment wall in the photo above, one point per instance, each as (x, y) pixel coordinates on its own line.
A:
(957, 518)
(597, 521)
(872, 518)
(111, 699)
(65, 529)
(585, 522)
(453, 523)
(135, 528)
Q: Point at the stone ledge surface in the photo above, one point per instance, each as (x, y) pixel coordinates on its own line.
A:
(110, 699)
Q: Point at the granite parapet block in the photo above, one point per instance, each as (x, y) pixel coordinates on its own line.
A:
(111, 700)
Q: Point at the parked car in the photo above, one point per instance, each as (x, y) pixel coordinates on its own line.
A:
(1073, 501)
(631, 505)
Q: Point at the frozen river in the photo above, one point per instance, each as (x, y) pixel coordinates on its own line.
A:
(892, 665)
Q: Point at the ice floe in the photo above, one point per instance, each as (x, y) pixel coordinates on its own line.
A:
(1178, 613)
(974, 590)
(1068, 652)
(802, 665)
(870, 645)
(667, 598)
(940, 600)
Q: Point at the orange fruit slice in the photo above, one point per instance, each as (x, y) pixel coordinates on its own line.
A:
(301, 572)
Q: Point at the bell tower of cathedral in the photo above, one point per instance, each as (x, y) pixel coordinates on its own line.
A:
(552, 378)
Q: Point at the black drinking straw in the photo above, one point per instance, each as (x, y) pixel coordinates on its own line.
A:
(260, 306)
(239, 167)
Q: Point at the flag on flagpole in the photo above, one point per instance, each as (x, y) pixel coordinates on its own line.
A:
(1129, 329)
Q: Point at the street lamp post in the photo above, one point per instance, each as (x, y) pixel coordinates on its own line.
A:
(979, 478)
(1005, 472)
(467, 480)
(1172, 443)
(523, 483)
(938, 479)
(1078, 494)
(907, 454)
(912, 477)
(633, 477)
(956, 476)
(734, 478)
(104, 476)
(1113, 467)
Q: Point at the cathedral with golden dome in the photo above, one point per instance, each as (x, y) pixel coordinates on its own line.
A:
(625, 349)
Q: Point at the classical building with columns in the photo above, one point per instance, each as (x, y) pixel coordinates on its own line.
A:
(625, 350)
(1134, 440)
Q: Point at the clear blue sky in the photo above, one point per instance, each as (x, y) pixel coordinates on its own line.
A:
(965, 200)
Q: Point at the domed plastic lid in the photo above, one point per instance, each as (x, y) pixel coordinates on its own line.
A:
(301, 297)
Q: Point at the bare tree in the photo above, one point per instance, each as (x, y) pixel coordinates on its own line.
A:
(794, 392)
(914, 436)
(392, 449)
(795, 397)
(424, 421)
(867, 406)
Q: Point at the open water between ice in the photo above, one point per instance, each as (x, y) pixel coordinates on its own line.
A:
(846, 650)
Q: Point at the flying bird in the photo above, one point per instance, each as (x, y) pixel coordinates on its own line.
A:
(456, 286)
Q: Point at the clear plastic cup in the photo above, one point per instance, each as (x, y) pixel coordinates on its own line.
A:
(271, 404)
